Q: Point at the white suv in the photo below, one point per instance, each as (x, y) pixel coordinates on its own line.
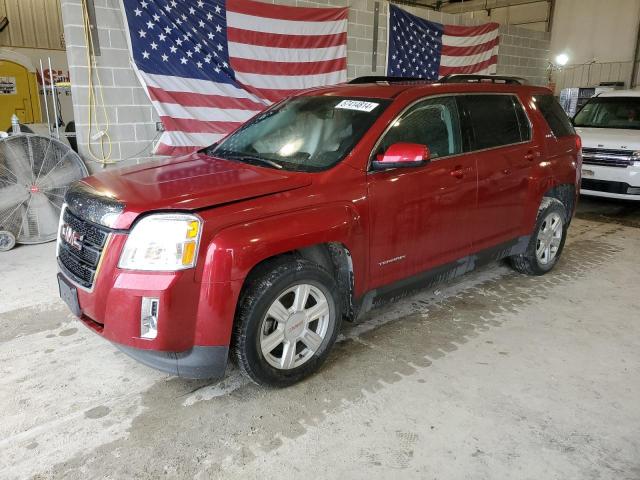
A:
(609, 125)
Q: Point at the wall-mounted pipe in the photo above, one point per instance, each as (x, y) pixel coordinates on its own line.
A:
(45, 93)
(53, 100)
(633, 81)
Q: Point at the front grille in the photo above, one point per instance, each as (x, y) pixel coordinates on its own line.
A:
(607, 157)
(81, 264)
(608, 187)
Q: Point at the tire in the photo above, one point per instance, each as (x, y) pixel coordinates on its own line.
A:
(271, 331)
(537, 259)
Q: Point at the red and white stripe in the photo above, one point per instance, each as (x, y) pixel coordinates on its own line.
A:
(196, 113)
(469, 49)
(274, 50)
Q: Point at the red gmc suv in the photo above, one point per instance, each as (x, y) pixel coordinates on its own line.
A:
(314, 211)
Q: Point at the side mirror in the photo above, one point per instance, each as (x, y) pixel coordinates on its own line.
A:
(402, 155)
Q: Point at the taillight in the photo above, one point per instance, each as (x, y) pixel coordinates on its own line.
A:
(578, 143)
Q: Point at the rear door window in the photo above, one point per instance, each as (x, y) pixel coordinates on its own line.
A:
(434, 122)
(496, 120)
(555, 116)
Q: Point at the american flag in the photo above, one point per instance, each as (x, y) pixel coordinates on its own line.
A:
(424, 49)
(210, 65)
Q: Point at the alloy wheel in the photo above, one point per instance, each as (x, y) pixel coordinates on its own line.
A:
(549, 238)
(295, 326)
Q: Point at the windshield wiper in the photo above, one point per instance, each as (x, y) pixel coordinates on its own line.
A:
(209, 150)
(243, 157)
(252, 158)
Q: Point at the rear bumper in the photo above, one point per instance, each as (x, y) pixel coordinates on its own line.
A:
(196, 363)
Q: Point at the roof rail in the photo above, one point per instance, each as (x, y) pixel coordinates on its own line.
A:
(473, 78)
(382, 78)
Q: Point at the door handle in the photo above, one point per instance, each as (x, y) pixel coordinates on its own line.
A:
(531, 155)
(458, 172)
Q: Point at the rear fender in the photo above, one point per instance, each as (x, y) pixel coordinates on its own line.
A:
(565, 193)
(537, 190)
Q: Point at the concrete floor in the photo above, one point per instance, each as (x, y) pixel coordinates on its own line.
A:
(496, 375)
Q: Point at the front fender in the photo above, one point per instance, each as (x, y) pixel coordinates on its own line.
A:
(234, 251)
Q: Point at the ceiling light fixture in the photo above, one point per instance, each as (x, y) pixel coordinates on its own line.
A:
(562, 59)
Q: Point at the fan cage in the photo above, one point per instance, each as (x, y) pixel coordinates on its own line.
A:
(35, 173)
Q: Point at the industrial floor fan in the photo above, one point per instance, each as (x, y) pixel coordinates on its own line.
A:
(35, 172)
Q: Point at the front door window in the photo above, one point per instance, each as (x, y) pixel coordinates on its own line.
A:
(434, 123)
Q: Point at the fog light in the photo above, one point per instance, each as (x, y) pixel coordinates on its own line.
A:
(149, 317)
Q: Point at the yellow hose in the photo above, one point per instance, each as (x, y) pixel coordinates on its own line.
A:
(94, 102)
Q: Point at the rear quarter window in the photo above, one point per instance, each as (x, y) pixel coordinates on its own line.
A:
(555, 116)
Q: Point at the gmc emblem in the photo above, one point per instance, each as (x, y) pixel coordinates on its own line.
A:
(70, 236)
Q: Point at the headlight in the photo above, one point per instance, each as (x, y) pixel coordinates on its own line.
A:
(162, 242)
(636, 158)
(60, 223)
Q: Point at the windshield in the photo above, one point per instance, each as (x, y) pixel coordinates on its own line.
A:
(308, 133)
(610, 112)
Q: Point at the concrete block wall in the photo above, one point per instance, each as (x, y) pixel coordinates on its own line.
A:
(522, 52)
(525, 53)
(132, 119)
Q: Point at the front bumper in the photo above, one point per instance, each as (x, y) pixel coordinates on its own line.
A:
(611, 182)
(194, 318)
(196, 363)
(619, 196)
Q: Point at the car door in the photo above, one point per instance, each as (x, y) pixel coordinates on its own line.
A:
(500, 133)
(420, 215)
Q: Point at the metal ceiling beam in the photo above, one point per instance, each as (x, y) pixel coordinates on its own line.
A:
(552, 11)
(477, 5)
(416, 3)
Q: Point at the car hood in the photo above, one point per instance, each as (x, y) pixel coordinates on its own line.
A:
(185, 183)
(609, 138)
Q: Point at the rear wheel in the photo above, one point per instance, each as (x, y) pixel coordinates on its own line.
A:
(546, 243)
(287, 322)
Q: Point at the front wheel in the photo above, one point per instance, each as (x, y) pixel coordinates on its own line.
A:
(546, 243)
(287, 322)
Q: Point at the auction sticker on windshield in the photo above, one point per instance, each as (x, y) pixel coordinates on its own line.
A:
(357, 105)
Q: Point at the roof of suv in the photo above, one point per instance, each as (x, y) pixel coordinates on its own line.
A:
(621, 93)
(391, 90)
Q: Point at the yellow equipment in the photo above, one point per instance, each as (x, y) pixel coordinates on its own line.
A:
(18, 94)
